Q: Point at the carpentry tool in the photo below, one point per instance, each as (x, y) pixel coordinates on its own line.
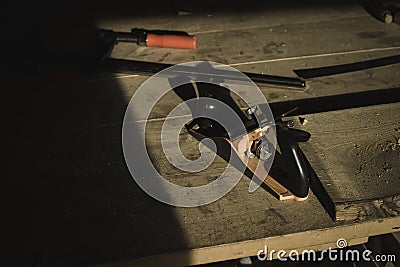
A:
(150, 68)
(289, 177)
(157, 38)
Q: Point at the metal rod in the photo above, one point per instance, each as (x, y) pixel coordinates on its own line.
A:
(150, 68)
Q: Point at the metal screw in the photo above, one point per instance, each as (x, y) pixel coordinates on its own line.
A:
(250, 154)
(251, 110)
(262, 151)
(289, 123)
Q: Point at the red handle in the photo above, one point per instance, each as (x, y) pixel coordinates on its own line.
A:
(171, 41)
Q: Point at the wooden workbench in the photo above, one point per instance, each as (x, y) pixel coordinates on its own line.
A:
(86, 209)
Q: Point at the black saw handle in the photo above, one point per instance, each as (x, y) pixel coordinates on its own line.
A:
(296, 178)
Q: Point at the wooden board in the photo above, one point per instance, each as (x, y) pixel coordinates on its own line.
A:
(77, 203)
(368, 151)
(244, 249)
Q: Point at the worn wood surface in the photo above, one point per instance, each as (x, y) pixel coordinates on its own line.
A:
(367, 150)
(86, 209)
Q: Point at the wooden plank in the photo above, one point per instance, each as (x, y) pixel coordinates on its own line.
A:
(315, 240)
(108, 199)
(88, 145)
(113, 201)
(211, 16)
(364, 180)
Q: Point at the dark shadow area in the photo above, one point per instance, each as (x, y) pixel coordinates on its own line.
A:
(70, 198)
(386, 11)
(173, 7)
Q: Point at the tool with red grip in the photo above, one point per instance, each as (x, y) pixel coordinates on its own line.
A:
(157, 38)
(171, 41)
